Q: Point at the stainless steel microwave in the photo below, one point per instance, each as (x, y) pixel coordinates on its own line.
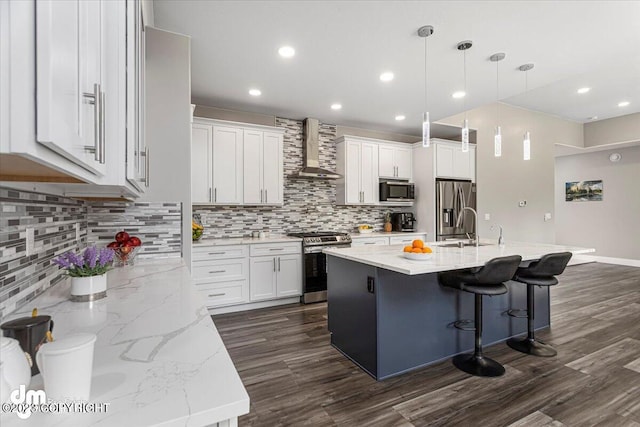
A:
(397, 191)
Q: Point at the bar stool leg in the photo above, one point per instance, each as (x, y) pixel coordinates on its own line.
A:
(529, 345)
(476, 363)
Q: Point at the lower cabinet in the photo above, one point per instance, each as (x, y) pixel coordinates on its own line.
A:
(370, 241)
(241, 274)
(395, 239)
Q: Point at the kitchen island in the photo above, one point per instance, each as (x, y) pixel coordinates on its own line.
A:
(158, 359)
(390, 315)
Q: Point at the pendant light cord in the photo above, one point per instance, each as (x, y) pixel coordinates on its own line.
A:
(425, 74)
(464, 100)
(497, 94)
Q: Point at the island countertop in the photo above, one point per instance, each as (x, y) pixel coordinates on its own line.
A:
(446, 258)
(158, 359)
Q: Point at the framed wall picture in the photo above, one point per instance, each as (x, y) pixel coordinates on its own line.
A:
(583, 191)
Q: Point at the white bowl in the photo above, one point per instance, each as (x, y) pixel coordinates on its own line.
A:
(417, 257)
(365, 230)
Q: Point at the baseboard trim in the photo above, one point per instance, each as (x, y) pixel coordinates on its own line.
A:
(580, 259)
(253, 305)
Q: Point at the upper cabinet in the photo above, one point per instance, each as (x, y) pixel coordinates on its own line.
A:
(73, 95)
(357, 162)
(452, 162)
(71, 84)
(395, 162)
(363, 163)
(236, 164)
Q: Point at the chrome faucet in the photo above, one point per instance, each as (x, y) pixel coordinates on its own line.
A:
(500, 239)
(475, 214)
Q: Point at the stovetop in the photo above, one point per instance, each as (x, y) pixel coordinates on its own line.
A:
(315, 238)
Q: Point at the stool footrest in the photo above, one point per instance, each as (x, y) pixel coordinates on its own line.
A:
(465, 325)
(519, 313)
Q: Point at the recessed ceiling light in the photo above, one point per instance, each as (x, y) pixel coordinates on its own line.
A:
(387, 76)
(286, 51)
(459, 94)
(336, 106)
(255, 92)
(623, 104)
(584, 90)
(400, 117)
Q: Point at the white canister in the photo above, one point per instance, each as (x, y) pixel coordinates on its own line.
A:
(66, 366)
(15, 365)
(89, 288)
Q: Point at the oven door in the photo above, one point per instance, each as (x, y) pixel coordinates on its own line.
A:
(315, 274)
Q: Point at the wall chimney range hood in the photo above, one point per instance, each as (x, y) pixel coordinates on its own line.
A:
(310, 147)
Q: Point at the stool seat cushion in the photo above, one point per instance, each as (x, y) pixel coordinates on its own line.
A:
(467, 281)
(533, 280)
(486, 280)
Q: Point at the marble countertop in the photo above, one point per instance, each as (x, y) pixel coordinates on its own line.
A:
(219, 241)
(158, 359)
(446, 258)
(356, 235)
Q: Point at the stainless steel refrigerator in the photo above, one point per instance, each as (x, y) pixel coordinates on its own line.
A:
(452, 195)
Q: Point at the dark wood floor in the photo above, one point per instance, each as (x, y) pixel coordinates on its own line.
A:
(294, 377)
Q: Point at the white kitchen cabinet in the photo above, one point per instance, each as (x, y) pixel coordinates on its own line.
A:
(395, 162)
(263, 168)
(71, 83)
(227, 169)
(382, 240)
(201, 157)
(452, 162)
(357, 162)
(275, 271)
(407, 239)
(221, 274)
(370, 241)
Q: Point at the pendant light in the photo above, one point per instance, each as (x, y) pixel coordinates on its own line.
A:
(425, 32)
(497, 138)
(526, 140)
(463, 46)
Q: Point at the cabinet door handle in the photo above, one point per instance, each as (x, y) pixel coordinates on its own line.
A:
(215, 194)
(147, 166)
(210, 194)
(266, 196)
(278, 263)
(276, 249)
(217, 271)
(274, 264)
(94, 99)
(217, 295)
(369, 243)
(102, 144)
(261, 199)
(217, 253)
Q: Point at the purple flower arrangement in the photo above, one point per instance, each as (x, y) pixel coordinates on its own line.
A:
(92, 262)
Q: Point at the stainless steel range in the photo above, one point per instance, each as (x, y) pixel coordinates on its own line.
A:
(315, 262)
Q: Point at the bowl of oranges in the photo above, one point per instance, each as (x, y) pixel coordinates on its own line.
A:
(418, 251)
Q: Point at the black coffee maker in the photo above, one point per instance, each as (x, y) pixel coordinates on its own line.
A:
(30, 332)
(402, 221)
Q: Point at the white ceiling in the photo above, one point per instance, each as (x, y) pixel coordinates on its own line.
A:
(343, 46)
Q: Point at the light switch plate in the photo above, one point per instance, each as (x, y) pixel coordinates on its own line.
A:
(30, 242)
(522, 203)
(487, 217)
(547, 216)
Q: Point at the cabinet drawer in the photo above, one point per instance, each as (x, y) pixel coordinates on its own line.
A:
(276, 249)
(406, 240)
(222, 270)
(218, 294)
(370, 241)
(219, 252)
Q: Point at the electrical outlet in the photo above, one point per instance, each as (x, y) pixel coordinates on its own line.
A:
(30, 241)
(487, 217)
(77, 227)
(522, 203)
(547, 216)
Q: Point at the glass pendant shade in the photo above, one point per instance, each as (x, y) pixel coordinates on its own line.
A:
(497, 142)
(426, 130)
(526, 146)
(465, 136)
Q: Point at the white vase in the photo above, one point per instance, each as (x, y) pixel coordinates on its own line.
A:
(90, 288)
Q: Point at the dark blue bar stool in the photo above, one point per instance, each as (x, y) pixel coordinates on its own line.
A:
(538, 273)
(486, 280)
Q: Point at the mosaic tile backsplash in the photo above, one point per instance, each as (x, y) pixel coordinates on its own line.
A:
(156, 224)
(309, 204)
(53, 218)
(22, 278)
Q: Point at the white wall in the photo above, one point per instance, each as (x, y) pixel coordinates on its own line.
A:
(504, 181)
(617, 129)
(611, 225)
(168, 124)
